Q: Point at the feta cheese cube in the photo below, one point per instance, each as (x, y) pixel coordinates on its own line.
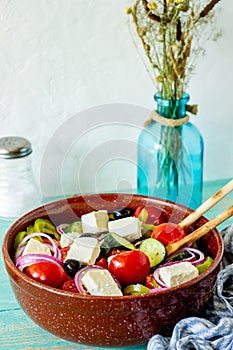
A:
(177, 274)
(100, 282)
(34, 246)
(85, 250)
(68, 238)
(129, 228)
(94, 222)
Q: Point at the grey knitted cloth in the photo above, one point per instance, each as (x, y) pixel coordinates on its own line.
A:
(215, 331)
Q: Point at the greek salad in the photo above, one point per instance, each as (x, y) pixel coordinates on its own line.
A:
(108, 254)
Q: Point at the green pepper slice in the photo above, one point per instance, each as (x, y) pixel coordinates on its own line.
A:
(30, 229)
(18, 238)
(202, 267)
(135, 289)
(46, 226)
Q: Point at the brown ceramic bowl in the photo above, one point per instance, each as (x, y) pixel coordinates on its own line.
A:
(110, 321)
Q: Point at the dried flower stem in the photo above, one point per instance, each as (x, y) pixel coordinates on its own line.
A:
(175, 66)
(150, 15)
(208, 8)
(186, 56)
(140, 33)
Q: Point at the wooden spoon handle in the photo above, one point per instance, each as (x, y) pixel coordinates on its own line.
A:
(201, 231)
(209, 203)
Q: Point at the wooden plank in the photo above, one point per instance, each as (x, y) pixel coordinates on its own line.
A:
(7, 298)
(17, 331)
(210, 188)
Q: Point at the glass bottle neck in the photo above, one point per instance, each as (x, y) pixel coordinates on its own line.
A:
(172, 109)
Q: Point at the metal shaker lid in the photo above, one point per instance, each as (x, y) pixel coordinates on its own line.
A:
(14, 147)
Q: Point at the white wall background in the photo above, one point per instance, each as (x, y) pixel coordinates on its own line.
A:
(59, 58)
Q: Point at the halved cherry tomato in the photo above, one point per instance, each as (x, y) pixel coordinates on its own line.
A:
(47, 241)
(130, 267)
(168, 233)
(69, 286)
(48, 273)
(64, 252)
(150, 215)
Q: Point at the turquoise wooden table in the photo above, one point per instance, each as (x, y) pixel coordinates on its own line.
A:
(17, 331)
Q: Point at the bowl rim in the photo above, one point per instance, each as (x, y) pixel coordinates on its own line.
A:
(10, 264)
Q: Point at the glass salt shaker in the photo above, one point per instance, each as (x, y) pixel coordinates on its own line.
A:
(19, 192)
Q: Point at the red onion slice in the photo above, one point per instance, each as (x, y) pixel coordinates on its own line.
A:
(155, 290)
(60, 228)
(29, 259)
(192, 257)
(200, 257)
(56, 250)
(19, 251)
(79, 275)
(158, 280)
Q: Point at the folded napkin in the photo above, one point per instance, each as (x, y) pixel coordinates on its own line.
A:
(215, 331)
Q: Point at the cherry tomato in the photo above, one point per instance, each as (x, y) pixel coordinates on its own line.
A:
(130, 267)
(116, 251)
(102, 263)
(150, 215)
(64, 252)
(150, 282)
(168, 233)
(48, 273)
(138, 211)
(69, 286)
(46, 240)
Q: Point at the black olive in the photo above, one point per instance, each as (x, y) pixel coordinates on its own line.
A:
(122, 213)
(72, 266)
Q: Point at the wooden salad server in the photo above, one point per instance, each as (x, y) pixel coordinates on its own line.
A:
(195, 215)
(201, 231)
(208, 204)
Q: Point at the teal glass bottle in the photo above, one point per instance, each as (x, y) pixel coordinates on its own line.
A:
(170, 158)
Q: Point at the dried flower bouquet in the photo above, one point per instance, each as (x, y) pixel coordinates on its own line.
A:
(172, 34)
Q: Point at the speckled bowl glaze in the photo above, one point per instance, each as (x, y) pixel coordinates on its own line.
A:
(110, 321)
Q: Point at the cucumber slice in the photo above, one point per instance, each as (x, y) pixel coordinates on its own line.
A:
(75, 226)
(154, 249)
(113, 240)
